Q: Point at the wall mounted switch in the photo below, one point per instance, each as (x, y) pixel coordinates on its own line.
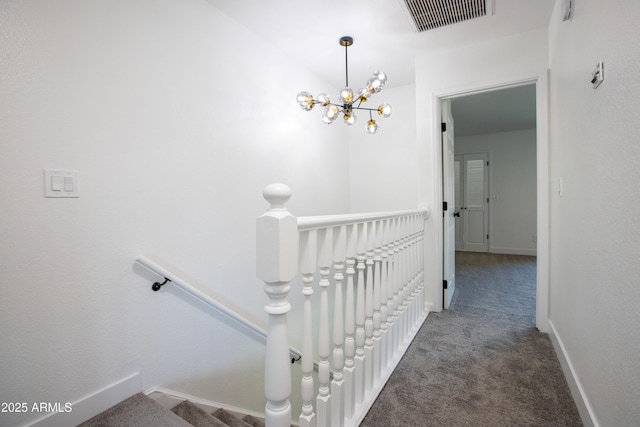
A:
(60, 183)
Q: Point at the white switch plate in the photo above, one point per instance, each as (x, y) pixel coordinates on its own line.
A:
(60, 183)
(560, 187)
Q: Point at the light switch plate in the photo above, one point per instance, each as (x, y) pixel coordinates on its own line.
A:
(61, 183)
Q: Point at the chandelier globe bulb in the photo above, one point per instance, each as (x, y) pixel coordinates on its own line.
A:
(372, 127)
(384, 110)
(305, 100)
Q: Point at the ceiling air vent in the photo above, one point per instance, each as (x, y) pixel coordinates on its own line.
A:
(430, 14)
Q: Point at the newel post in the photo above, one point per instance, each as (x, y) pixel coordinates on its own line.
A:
(276, 265)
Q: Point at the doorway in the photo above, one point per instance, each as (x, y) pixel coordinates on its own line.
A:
(540, 235)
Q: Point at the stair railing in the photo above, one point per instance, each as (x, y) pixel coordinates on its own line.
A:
(207, 300)
(379, 258)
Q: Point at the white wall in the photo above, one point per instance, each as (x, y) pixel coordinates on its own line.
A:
(383, 167)
(457, 71)
(175, 118)
(512, 186)
(594, 226)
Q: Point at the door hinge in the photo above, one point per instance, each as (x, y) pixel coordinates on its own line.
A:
(487, 162)
(445, 206)
(487, 237)
(445, 284)
(487, 200)
(443, 127)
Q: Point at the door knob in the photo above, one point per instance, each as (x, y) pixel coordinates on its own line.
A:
(456, 214)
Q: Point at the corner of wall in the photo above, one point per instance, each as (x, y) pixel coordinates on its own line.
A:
(577, 391)
(93, 404)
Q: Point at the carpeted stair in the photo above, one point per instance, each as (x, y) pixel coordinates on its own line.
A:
(142, 411)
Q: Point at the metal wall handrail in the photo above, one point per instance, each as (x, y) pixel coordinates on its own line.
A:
(206, 299)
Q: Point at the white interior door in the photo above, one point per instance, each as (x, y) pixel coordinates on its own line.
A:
(448, 196)
(475, 208)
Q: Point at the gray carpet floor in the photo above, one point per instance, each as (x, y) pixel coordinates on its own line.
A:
(482, 362)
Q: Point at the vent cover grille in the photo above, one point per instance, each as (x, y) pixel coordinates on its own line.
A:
(430, 14)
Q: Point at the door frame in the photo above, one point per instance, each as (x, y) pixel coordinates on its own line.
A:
(447, 140)
(541, 82)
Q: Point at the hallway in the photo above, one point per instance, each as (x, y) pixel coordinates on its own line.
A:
(483, 362)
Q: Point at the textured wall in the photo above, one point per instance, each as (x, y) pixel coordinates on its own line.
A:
(176, 118)
(595, 297)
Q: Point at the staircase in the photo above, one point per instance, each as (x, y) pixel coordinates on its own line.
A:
(142, 411)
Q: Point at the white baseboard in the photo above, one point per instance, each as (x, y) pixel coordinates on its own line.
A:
(513, 251)
(577, 391)
(93, 404)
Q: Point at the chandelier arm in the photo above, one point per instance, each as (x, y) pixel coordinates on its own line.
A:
(364, 109)
(333, 103)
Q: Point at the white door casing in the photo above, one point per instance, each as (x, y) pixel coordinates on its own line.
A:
(448, 196)
(541, 80)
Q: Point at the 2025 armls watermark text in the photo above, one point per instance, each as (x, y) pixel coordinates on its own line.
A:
(43, 407)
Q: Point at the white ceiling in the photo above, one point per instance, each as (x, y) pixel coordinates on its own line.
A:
(384, 35)
(503, 110)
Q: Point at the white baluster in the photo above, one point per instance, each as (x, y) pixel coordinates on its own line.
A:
(307, 268)
(384, 296)
(350, 325)
(393, 284)
(398, 285)
(276, 265)
(402, 259)
(360, 315)
(323, 400)
(423, 218)
(337, 385)
(377, 301)
(391, 318)
(418, 285)
(412, 273)
(368, 302)
(406, 280)
(409, 279)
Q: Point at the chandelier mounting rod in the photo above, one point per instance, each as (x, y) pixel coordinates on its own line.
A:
(346, 41)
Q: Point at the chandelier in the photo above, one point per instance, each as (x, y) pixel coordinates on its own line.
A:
(348, 101)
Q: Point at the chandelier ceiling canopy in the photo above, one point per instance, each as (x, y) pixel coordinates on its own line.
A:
(348, 101)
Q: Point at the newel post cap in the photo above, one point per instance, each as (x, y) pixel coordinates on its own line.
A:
(277, 195)
(276, 237)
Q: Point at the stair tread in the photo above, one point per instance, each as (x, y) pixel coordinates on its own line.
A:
(230, 419)
(136, 411)
(196, 416)
(253, 421)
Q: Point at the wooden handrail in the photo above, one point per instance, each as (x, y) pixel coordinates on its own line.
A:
(326, 221)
